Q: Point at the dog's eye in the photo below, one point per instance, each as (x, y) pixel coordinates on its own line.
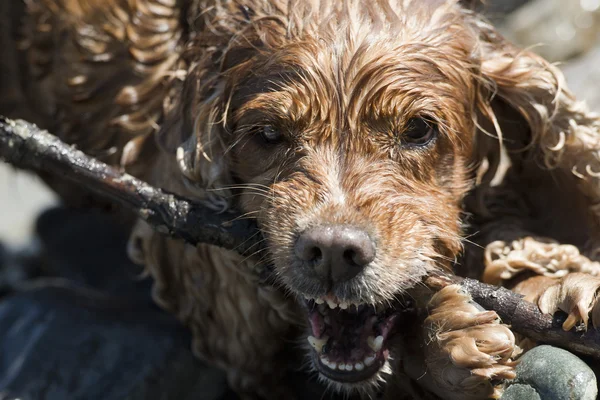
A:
(419, 132)
(270, 134)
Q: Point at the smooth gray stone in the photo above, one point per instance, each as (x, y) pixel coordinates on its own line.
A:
(557, 374)
(519, 391)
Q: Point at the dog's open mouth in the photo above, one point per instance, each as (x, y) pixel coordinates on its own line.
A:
(349, 341)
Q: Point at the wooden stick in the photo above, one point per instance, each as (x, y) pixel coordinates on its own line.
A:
(26, 146)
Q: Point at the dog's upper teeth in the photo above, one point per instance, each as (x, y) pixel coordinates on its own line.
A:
(319, 300)
(318, 344)
(343, 305)
(375, 343)
(331, 304)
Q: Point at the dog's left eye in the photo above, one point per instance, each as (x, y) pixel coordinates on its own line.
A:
(419, 132)
(270, 134)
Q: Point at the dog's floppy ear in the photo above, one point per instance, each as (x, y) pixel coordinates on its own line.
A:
(526, 102)
(193, 133)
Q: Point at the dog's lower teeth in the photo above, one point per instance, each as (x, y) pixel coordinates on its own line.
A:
(370, 360)
(375, 343)
(359, 366)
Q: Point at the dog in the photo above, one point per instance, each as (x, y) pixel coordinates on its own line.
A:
(372, 142)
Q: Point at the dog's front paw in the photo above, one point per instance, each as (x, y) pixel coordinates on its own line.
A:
(470, 352)
(575, 294)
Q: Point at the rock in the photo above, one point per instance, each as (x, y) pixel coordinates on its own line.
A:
(556, 374)
(519, 391)
(58, 341)
(88, 328)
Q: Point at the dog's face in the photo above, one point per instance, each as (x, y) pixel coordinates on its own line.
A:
(352, 152)
(350, 132)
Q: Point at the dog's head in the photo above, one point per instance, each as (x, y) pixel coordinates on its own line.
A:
(351, 132)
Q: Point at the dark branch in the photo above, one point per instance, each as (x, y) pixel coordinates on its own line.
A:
(26, 146)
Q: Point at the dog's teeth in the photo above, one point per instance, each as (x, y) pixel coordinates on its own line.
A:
(342, 367)
(329, 364)
(318, 344)
(319, 301)
(331, 304)
(343, 305)
(377, 343)
(374, 343)
(307, 297)
(349, 367)
(359, 366)
(369, 360)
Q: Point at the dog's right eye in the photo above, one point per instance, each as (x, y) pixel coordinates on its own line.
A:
(269, 134)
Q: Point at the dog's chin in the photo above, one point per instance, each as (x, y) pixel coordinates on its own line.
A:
(349, 342)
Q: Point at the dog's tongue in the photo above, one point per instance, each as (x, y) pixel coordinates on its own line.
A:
(317, 323)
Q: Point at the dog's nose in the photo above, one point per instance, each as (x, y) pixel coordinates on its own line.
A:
(337, 252)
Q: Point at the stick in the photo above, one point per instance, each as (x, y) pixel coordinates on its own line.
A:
(26, 146)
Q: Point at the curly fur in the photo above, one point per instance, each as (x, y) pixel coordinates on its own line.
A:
(341, 81)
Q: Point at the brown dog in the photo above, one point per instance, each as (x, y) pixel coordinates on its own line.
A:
(352, 132)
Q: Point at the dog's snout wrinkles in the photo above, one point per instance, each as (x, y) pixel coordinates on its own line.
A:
(337, 252)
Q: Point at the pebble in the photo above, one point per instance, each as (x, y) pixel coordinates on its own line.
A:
(555, 374)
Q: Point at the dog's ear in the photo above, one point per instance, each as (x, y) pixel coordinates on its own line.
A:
(193, 133)
(525, 101)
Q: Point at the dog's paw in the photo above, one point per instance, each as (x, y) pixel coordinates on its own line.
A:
(575, 294)
(470, 353)
(504, 261)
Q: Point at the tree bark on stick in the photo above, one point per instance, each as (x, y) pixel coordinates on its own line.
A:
(25, 146)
